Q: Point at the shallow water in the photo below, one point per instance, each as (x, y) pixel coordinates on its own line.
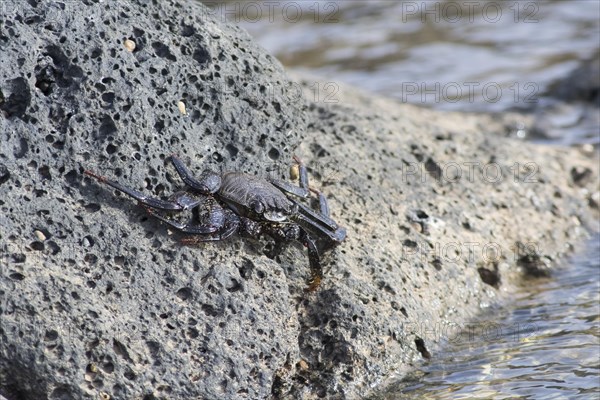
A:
(454, 55)
(546, 345)
(487, 56)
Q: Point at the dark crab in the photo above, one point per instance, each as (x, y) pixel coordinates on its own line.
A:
(234, 202)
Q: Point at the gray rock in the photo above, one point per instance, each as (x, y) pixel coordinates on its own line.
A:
(446, 215)
(568, 111)
(108, 302)
(98, 301)
(583, 83)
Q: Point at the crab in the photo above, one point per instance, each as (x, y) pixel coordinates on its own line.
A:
(231, 203)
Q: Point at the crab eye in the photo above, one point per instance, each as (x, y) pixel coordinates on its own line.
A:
(257, 207)
(275, 216)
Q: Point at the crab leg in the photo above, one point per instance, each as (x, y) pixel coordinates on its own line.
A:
(231, 226)
(185, 228)
(300, 191)
(316, 271)
(296, 232)
(211, 218)
(316, 217)
(209, 182)
(318, 220)
(142, 198)
(323, 206)
(337, 234)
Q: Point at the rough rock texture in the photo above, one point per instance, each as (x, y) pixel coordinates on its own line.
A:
(446, 216)
(98, 301)
(91, 300)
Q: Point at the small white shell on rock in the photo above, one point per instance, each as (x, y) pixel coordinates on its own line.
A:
(40, 235)
(294, 172)
(181, 106)
(129, 45)
(303, 365)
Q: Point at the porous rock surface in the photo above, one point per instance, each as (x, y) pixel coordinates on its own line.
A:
(99, 301)
(447, 214)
